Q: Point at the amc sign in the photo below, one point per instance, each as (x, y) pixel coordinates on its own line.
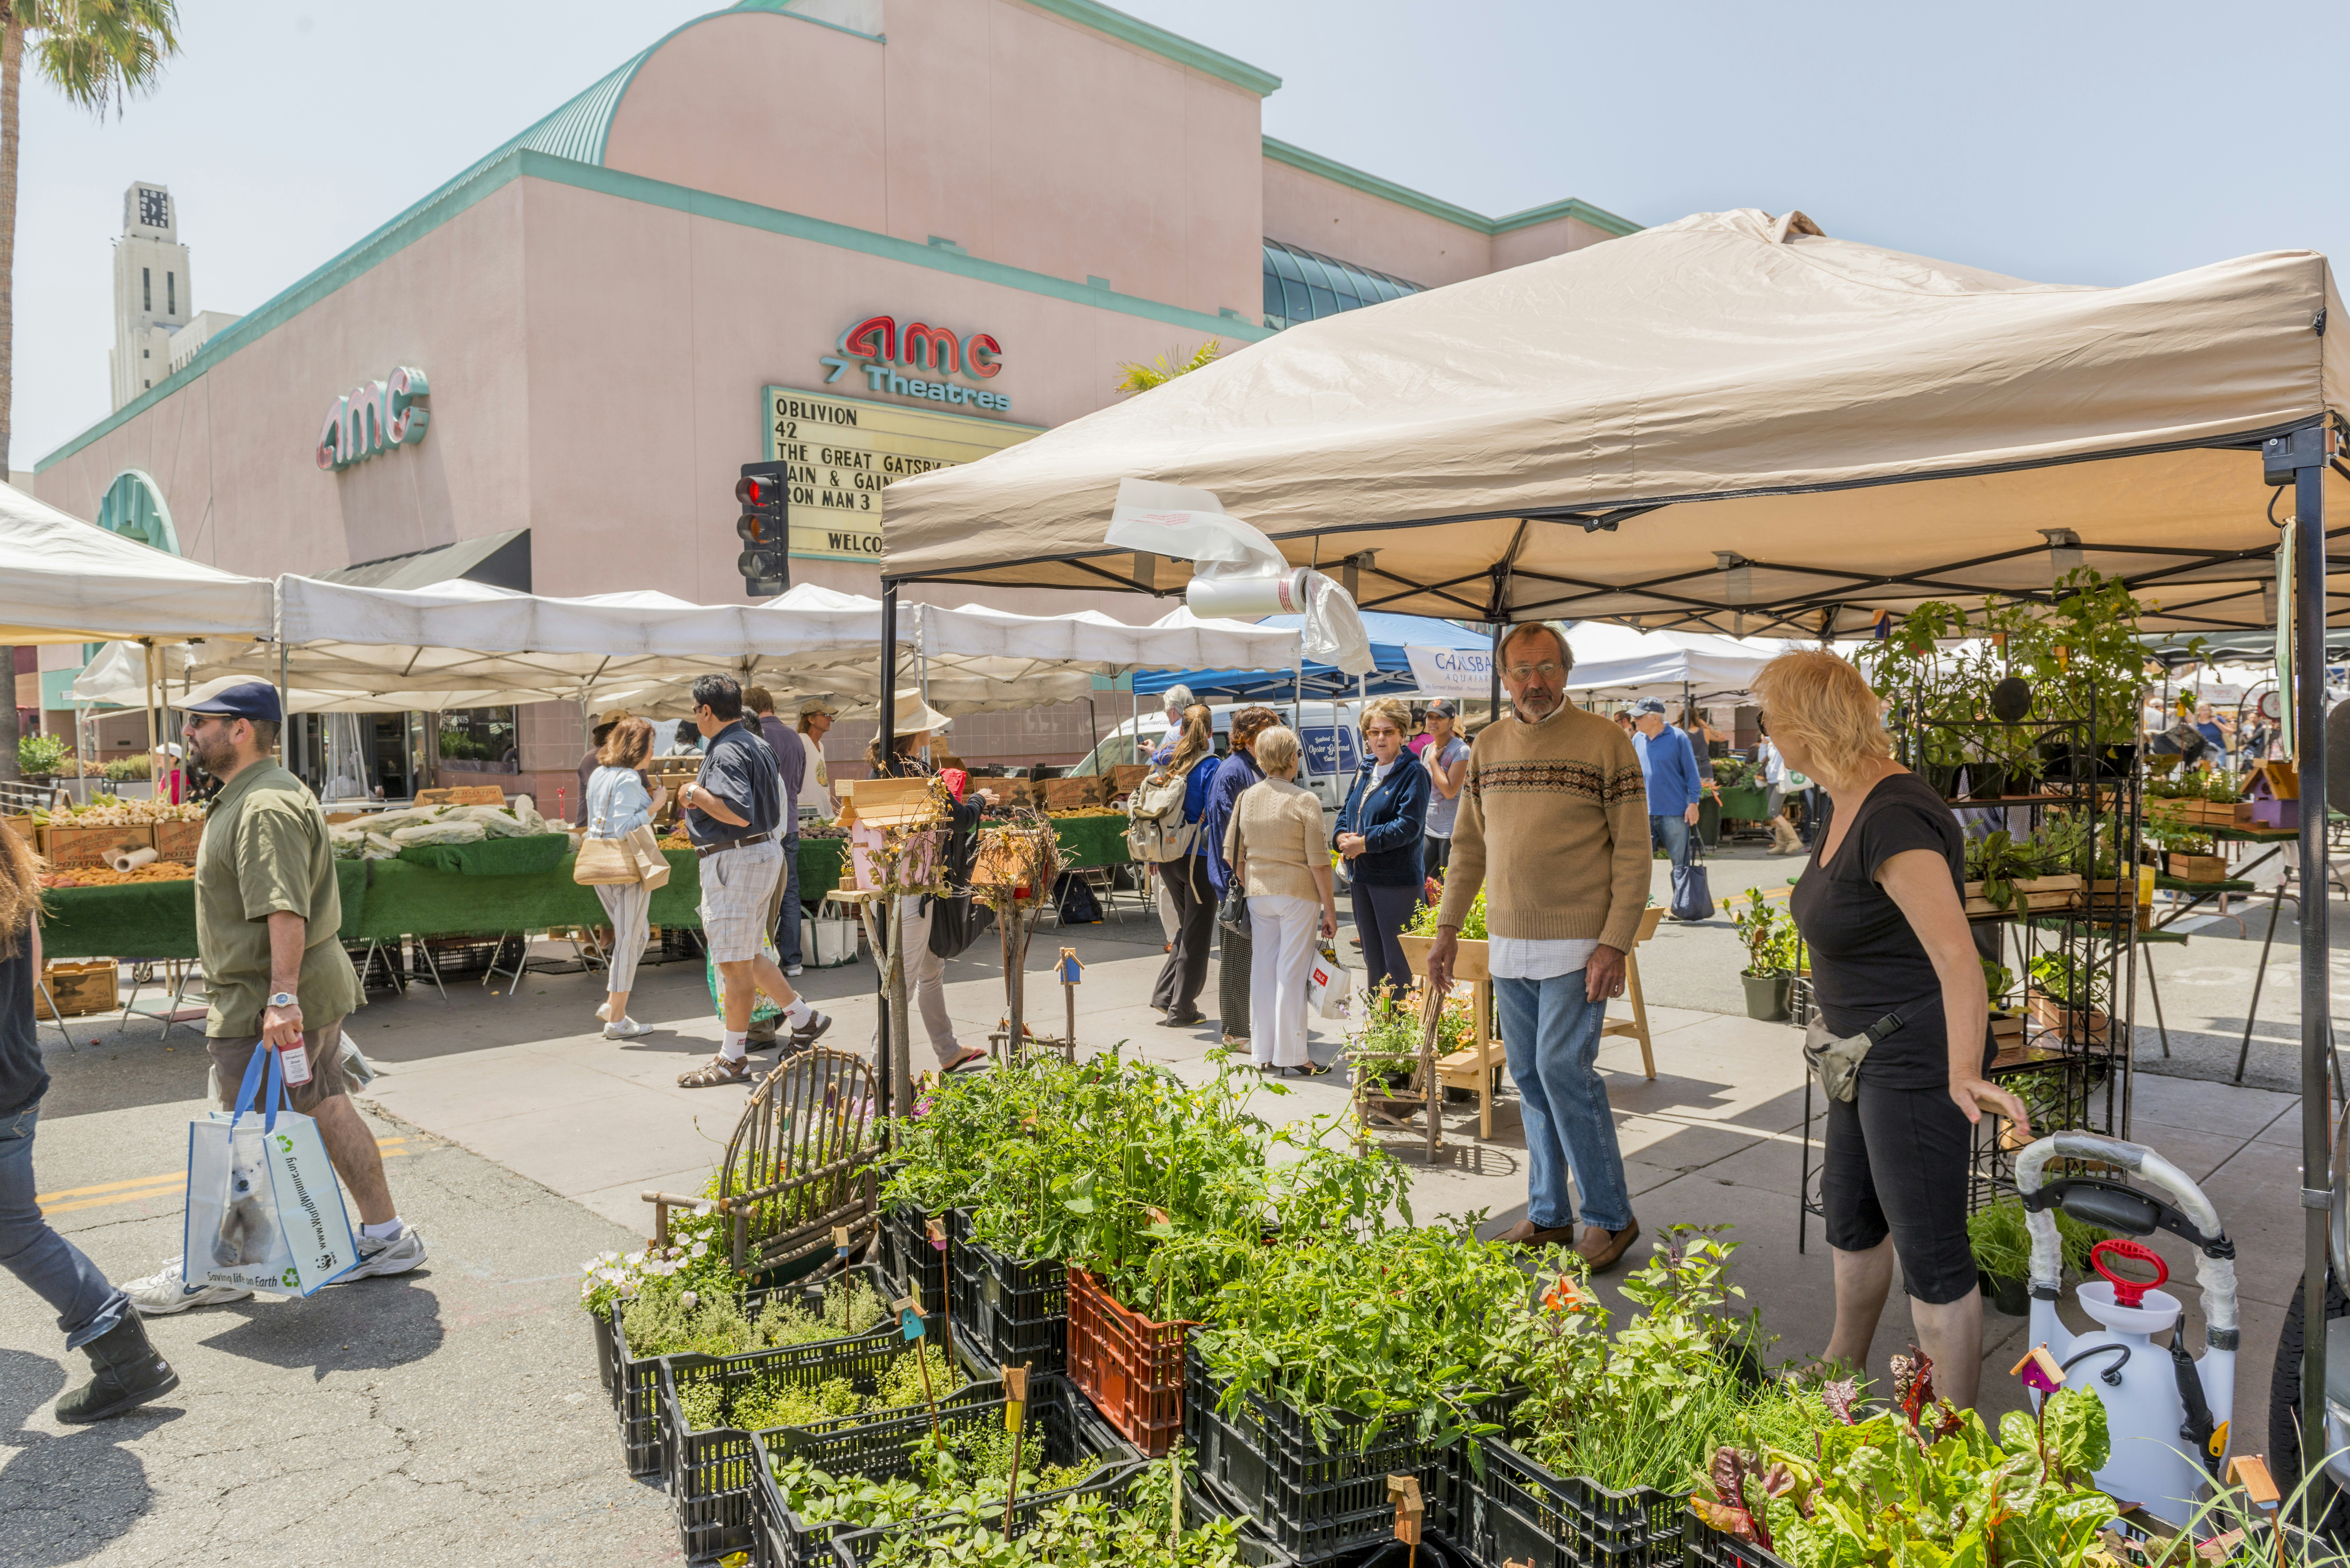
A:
(374, 418)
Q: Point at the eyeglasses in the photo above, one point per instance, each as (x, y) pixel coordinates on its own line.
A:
(1547, 670)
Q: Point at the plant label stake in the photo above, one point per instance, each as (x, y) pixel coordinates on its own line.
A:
(946, 1308)
(1072, 970)
(909, 1308)
(840, 1244)
(1404, 1492)
(1015, 1403)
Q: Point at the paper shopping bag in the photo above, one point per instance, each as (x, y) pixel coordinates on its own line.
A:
(1328, 984)
(264, 1209)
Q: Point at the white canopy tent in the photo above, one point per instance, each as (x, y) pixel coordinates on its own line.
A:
(1616, 662)
(64, 580)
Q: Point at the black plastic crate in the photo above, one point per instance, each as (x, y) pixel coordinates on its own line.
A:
(1061, 1427)
(1519, 1512)
(910, 1257)
(1703, 1546)
(1262, 1461)
(707, 1472)
(1007, 1312)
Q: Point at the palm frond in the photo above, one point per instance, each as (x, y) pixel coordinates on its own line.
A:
(100, 53)
(1141, 378)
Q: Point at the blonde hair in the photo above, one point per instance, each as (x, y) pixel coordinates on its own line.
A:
(1824, 705)
(1276, 750)
(1391, 709)
(20, 890)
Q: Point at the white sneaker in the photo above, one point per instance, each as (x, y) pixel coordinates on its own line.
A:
(167, 1290)
(626, 1029)
(792, 971)
(387, 1255)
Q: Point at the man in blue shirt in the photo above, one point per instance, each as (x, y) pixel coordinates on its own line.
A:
(732, 811)
(1669, 768)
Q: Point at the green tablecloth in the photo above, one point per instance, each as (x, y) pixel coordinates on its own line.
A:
(1092, 841)
(156, 920)
(493, 857)
(1748, 802)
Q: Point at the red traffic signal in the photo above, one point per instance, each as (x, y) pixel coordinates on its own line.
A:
(752, 490)
(764, 526)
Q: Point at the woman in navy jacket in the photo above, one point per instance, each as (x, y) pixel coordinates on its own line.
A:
(1380, 834)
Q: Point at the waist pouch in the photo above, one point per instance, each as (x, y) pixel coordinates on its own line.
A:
(1835, 1062)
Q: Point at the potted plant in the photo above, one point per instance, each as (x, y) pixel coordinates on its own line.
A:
(2002, 1251)
(2007, 876)
(38, 757)
(1999, 982)
(2187, 850)
(1771, 942)
(2069, 997)
(2086, 664)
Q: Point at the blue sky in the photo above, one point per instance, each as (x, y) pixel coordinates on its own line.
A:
(2076, 143)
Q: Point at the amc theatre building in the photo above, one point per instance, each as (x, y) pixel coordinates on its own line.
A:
(863, 237)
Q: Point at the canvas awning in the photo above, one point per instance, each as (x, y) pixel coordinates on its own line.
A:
(1733, 422)
(65, 580)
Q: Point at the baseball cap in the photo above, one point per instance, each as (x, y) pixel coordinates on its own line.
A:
(1443, 708)
(1649, 705)
(255, 700)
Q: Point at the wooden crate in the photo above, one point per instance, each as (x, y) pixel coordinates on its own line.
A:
(1086, 789)
(2198, 867)
(2031, 893)
(178, 840)
(2194, 813)
(91, 848)
(1124, 776)
(463, 794)
(82, 986)
(25, 829)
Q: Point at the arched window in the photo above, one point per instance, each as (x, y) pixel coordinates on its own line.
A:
(1303, 286)
(134, 508)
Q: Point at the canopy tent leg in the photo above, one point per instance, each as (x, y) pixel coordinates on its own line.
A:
(1494, 669)
(2302, 456)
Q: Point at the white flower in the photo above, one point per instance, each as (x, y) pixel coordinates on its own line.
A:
(588, 1267)
(700, 1248)
(689, 1298)
(701, 1207)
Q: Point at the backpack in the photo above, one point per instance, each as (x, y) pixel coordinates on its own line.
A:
(1158, 832)
(956, 922)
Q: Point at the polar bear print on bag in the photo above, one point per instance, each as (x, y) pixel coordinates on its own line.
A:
(245, 1228)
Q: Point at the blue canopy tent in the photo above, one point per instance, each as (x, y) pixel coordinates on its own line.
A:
(1389, 635)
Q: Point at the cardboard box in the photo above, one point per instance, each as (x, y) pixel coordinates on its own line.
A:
(80, 986)
(91, 848)
(463, 794)
(1124, 776)
(178, 840)
(1086, 789)
(25, 829)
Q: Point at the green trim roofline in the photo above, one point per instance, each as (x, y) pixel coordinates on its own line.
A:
(523, 161)
(1476, 223)
(1157, 41)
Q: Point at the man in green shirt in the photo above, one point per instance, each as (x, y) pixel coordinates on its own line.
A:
(267, 915)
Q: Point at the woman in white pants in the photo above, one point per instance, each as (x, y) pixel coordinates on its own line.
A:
(1275, 847)
(616, 805)
(926, 972)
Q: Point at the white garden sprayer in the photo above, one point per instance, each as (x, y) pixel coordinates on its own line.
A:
(2160, 1402)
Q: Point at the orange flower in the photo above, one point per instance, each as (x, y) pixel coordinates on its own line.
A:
(1562, 1296)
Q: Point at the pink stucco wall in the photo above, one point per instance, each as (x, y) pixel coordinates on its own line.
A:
(1321, 214)
(1021, 138)
(1515, 247)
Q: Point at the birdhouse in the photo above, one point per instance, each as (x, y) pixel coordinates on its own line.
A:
(877, 812)
(2039, 1371)
(2275, 791)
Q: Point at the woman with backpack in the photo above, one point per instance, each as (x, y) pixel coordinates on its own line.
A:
(1182, 871)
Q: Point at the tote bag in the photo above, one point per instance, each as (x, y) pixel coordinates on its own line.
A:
(1328, 984)
(263, 1210)
(1692, 897)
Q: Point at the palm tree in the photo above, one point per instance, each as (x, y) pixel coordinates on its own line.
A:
(98, 53)
(1141, 378)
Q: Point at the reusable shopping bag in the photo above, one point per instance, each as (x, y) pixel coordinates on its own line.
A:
(1328, 984)
(762, 1006)
(1692, 897)
(264, 1209)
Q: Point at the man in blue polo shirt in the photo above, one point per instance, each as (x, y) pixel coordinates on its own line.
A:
(1669, 768)
(731, 810)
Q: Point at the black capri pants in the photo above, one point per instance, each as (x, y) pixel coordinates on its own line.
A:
(1896, 1162)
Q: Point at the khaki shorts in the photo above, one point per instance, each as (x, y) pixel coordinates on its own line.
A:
(232, 1057)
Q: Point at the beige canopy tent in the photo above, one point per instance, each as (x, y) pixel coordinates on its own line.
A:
(1732, 423)
(1736, 423)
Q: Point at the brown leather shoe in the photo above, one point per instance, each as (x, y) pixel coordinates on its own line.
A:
(1604, 1250)
(1527, 1233)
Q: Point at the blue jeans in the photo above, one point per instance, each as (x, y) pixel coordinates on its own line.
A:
(1551, 1033)
(788, 918)
(56, 1270)
(1672, 834)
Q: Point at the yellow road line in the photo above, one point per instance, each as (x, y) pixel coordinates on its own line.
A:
(152, 1186)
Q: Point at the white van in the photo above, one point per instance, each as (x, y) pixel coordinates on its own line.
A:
(1330, 736)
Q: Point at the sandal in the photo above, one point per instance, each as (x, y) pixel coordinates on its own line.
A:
(971, 1057)
(1310, 1069)
(716, 1073)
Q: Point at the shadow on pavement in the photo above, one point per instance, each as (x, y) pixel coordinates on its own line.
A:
(369, 1325)
(64, 1497)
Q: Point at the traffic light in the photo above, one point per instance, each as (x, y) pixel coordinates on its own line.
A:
(765, 561)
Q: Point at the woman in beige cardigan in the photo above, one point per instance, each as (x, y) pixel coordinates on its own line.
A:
(1275, 847)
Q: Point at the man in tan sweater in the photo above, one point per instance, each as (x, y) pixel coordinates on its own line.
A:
(1554, 823)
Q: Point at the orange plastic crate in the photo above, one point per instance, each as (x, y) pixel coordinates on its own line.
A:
(1129, 1366)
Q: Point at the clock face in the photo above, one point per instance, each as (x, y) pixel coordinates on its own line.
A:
(2271, 705)
(154, 208)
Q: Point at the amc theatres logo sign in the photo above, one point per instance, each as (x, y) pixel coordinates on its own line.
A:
(913, 361)
(374, 418)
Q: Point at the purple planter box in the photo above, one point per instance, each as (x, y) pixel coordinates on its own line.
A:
(2277, 813)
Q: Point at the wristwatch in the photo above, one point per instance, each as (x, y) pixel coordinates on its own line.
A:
(285, 999)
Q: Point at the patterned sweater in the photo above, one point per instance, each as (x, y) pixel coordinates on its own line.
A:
(1554, 822)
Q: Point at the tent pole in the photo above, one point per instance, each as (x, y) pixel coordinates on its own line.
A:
(885, 1034)
(1494, 669)
(2310, 447)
